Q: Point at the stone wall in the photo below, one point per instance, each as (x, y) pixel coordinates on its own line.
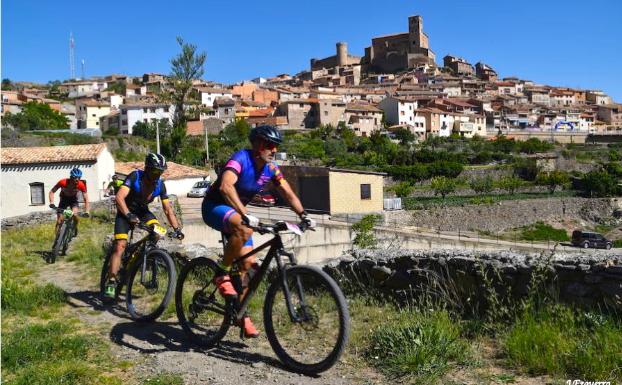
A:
(505, 215)
(458, 276)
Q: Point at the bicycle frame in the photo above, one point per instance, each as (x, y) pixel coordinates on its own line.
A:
(137, 249)
(275, 252)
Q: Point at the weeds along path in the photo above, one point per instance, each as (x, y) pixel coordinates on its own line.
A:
(162, 347)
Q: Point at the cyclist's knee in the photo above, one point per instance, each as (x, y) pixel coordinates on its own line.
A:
(242, 231)
(120, 245)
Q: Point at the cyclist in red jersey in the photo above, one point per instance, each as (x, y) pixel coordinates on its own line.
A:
(69, 188)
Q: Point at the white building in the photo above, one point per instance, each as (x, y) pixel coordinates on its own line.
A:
(209, 95)
(399, 110)
(88, 112)
(29, 173)
(142, 112)
(178, 178)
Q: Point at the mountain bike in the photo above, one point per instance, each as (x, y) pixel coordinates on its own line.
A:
(65, 232)
(148, 272)
(305, 313)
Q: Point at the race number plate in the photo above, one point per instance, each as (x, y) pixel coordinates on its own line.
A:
(68, 213)
(161, 231)
(294, 228)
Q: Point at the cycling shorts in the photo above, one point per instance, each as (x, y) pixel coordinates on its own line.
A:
(68, 202)
(216, 216)
(122, 226)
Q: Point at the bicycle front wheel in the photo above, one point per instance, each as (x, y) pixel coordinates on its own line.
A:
(57, 248)
(312, 339)
(150, 285)
(202, 312)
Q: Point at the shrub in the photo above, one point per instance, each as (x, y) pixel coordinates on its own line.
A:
(597, 184)
(525, 168)
(540, 231)
(364, 236)
(403, 189)
(443, 186)
(510, 184)
(553, 179)
(19, 298)
(421, 345)
(556, 340)
(482, 185)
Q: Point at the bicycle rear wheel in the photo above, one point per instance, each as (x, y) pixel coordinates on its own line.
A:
(150, 285)
(314, 340)
(202, 312)
(58, 242)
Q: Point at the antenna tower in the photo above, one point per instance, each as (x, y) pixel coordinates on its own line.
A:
(72, 61)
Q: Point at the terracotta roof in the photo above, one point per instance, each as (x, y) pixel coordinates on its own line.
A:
(212, 90)
(393, 35)
(132, 86)
(174, 170)
(55, 154)
(362, 107)
(224, 101)
(263, 112)
(195, 127)
(93, 103)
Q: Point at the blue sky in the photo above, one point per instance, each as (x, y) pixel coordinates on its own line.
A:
(566, 43)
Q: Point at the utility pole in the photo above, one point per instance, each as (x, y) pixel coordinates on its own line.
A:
(157, 137)
(72, 61)
(206, 145)
(83, 63)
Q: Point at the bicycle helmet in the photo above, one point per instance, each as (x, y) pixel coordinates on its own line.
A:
(268, 133)
(156, 161)
(75, 173)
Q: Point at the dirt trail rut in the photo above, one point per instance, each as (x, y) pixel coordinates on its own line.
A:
(163, 347)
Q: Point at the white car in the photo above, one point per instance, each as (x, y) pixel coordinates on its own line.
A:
(199, 189)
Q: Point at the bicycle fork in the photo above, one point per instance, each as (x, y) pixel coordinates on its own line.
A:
(296, 315)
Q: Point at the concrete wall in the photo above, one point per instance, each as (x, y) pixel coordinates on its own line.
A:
(16, 181)
(345, 192)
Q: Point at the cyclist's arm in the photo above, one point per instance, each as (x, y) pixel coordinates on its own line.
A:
(290, 196)
(229, 193)
(51, 193)
(86, 201)
(170, 213)
(120, 199)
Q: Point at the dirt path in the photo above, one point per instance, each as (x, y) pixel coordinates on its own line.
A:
(163, 347)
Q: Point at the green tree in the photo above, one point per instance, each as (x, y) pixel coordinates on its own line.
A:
(403, 189)
(36, 116)
(405, 136)
(510, 184)
(117, 87)
(553, 179)
(7, 84)
(364, 237)
(599, 184)
(482, 185)
(185, 67)
(443, 186)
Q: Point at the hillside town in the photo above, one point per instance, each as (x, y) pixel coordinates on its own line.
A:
(397, 83)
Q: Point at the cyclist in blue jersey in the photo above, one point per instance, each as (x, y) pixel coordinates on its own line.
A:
(138, 190)
(224, 206)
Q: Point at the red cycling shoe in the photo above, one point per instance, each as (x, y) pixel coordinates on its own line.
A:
(248, 329)
(225, 287)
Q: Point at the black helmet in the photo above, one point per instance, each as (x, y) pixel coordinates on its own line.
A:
(156, 161)
(268, 133)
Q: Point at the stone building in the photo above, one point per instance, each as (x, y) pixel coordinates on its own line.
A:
(363, 118)
(485, 72)
(458, 65)
(398, 52)
(340, 59)
(300, 113)
(331, 111)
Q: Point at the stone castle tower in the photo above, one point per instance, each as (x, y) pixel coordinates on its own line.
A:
(416, 37)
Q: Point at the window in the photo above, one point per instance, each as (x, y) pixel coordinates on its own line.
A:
(365, 191)
(36, 194)
(325, 113)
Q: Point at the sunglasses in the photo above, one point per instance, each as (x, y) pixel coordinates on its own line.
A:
(269, 145)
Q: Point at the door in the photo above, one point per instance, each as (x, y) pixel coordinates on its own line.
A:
(314, 193)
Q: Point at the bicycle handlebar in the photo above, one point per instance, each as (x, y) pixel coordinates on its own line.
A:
(280, 226)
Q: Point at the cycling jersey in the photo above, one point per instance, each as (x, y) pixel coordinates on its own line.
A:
(250, 181)
(115, 185)
(139, 197)
(69, 189)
